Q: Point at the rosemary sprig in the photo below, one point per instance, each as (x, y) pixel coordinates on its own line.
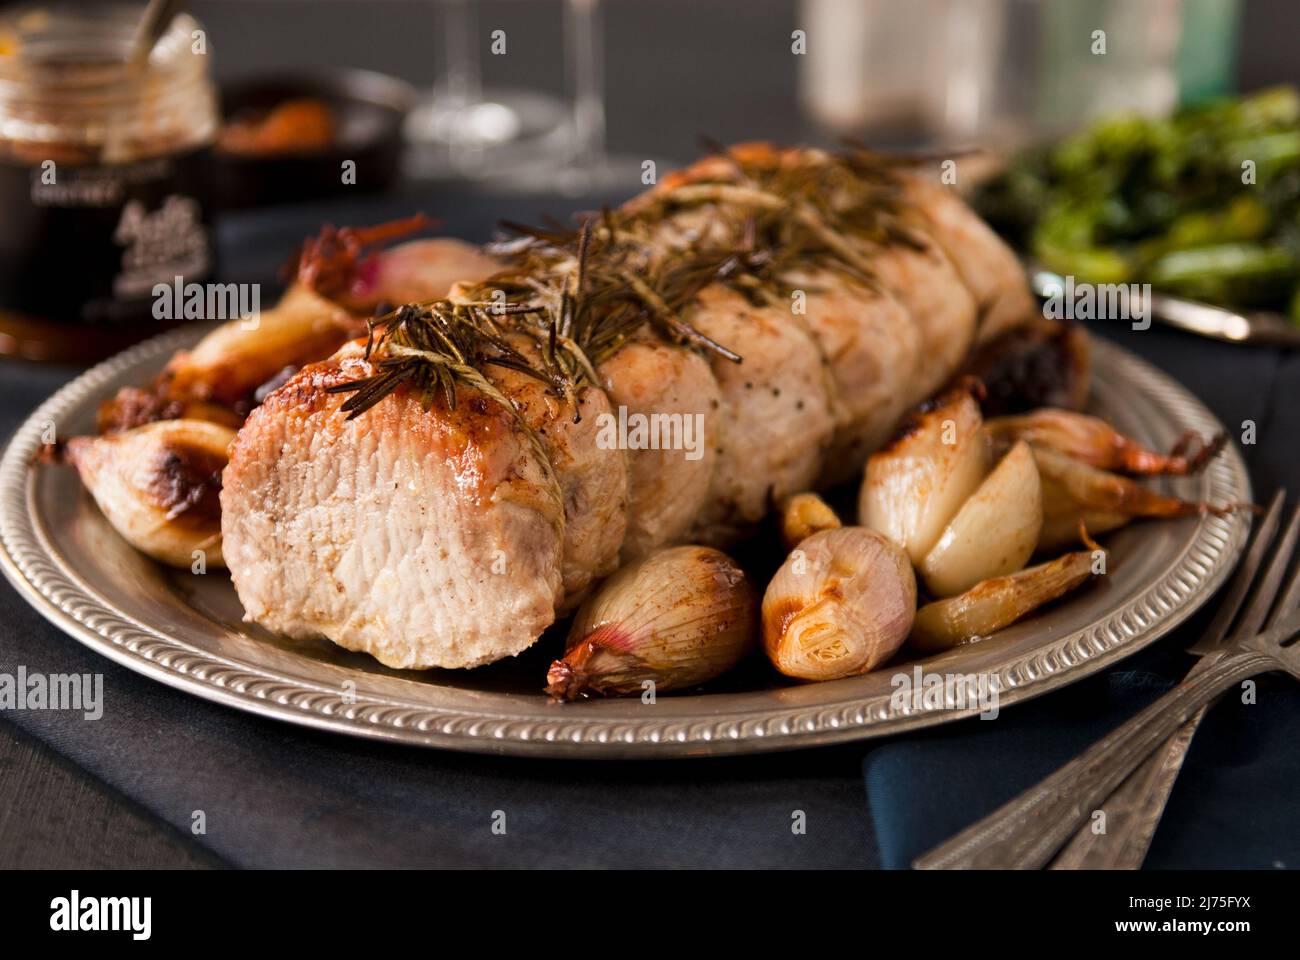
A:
(570, 298)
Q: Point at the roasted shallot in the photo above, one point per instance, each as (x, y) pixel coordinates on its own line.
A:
(675, 619)
(840, 605)
(158, 485)
(995, 531)
(236, 358)
(1095, 442)
(994, 604)
(1074, 492)
(803, 515)
(914, 486)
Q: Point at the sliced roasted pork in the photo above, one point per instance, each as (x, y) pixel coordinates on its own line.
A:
(424, 538)
(988, 267)
(593, 478)
(872, 348)
(930, 289)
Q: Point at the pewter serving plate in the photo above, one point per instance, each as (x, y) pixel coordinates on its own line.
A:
(186, 630)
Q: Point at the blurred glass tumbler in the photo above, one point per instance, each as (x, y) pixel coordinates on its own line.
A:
(999, 72)
(105, 178)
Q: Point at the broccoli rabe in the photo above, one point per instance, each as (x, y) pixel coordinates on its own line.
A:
(1204, 204)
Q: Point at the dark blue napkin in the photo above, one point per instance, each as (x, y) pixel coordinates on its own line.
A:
(1231, 807)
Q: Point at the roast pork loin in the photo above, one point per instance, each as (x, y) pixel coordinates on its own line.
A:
(450, 521)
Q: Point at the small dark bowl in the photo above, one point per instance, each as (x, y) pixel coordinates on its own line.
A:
(369, 110)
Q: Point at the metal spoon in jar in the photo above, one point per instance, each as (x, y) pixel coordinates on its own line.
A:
(158, 16)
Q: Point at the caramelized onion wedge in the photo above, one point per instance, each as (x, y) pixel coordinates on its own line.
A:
(840, 605)
(159, 485)
(1095, 442)
(676, 618)
(230, 363)
(993, 604)
(914, 486)
(804, 514)
(995, 531)
(134, 406)
(1074, 492)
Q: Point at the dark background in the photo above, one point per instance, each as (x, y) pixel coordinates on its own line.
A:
(675, 68)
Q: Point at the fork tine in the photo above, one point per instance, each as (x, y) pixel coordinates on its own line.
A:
(1289, 600)
(1252, 621)
(1244, 577)
(1277, 638)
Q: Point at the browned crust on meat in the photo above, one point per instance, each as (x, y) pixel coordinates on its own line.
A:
(133, 407)
(1045, 363)
(755, 154)
(477, 422)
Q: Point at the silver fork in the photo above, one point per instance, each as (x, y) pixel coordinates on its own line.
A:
(1027, 831)
(1133, 811)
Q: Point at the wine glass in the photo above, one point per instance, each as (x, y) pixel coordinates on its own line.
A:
(461, 129)
(590, 168)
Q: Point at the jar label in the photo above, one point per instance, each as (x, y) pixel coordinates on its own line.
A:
(87, 245)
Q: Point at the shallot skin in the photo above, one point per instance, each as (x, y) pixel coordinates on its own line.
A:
(675, 619)
(1075, 492)
(1093, 441)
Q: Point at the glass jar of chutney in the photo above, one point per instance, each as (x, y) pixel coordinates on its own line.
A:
(105, 177)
